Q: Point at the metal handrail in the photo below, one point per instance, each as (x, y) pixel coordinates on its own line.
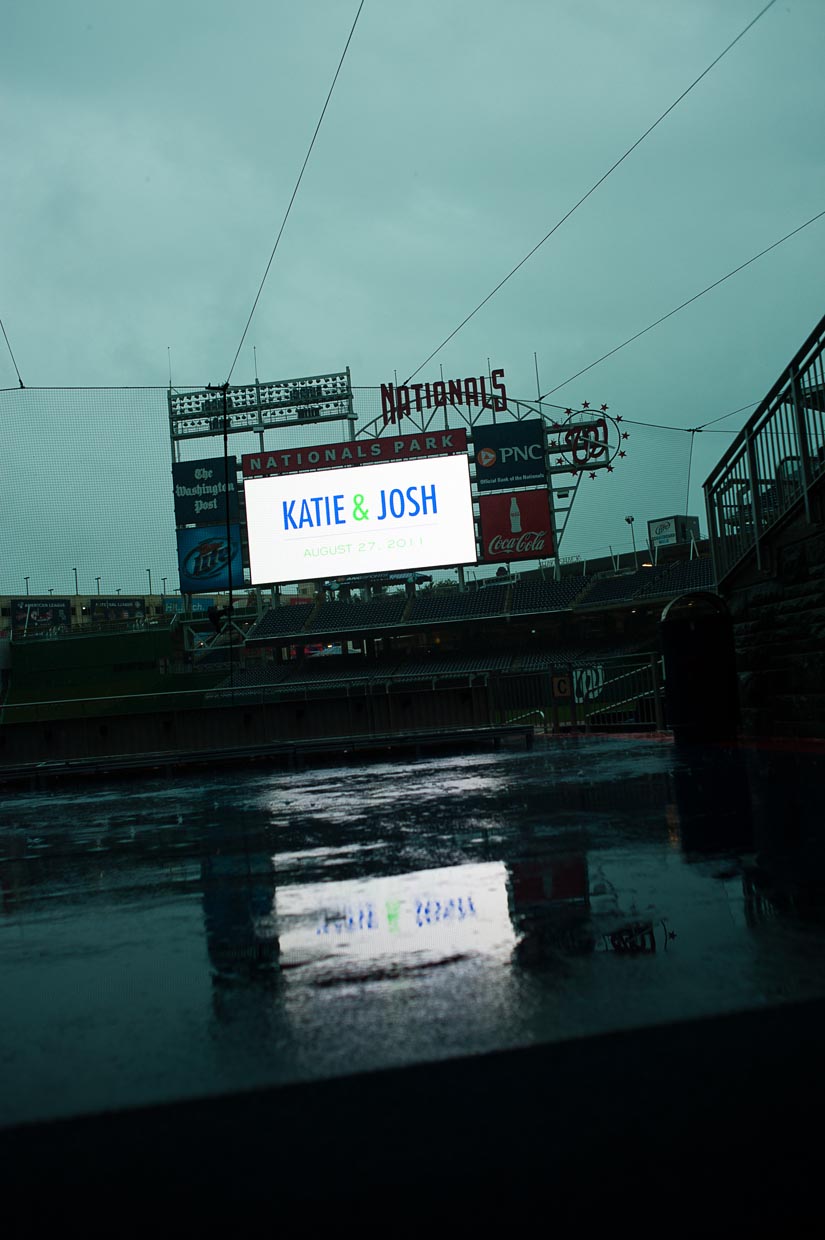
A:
(772, 464)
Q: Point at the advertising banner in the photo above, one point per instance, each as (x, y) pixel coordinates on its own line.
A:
(516, 526)
(662, 533)
(363, 520)
(668, 531)
(205, 559)
(117, 608)
(34, 617)
(200, 603)
(200, 491)
(353, 452)
(509, 455)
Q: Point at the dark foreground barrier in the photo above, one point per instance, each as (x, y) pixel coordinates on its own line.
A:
(701, 690)
(244, 724)
(712, 1123)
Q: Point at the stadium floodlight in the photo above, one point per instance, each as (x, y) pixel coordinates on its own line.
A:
(26, 579)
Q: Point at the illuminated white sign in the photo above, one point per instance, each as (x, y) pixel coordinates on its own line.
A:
(367, 519)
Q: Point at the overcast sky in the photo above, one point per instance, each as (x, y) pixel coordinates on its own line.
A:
(150, 151)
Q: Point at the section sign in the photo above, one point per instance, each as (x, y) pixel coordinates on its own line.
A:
(509, 455)
(206, 558)
(516, 526)
(364, 520)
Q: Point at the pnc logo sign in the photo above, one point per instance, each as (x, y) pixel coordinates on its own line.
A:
(527, 452)
(509, 454)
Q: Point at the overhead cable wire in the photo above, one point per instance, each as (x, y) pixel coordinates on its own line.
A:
(689, 301)
(702, 425)
(661, 426)
(11, 355)
(592, 189)
(295, 192)
(107, 387)
(741, 409)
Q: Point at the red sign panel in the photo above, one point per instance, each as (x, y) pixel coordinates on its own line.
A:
(354, 452)
(537, 882)
(515, 525)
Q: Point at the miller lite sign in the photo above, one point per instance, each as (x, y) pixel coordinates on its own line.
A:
(208, 560)
(516, 526)
(670, 531)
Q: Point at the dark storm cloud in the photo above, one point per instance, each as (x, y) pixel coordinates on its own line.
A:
(152, 151)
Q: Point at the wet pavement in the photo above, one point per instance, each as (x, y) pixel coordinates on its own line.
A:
(172, 938)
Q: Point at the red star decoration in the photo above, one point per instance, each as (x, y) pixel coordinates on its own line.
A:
(585, 404)
(568, 412)
(622, 454)
(559, 460)
(592, 475)
(610, 467)
(618, 417)
(604, 408)
(625, 435)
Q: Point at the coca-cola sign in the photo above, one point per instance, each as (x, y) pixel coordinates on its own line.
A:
(509, 547)
(516, 525)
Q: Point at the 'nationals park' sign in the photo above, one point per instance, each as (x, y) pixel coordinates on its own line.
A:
(354, 452)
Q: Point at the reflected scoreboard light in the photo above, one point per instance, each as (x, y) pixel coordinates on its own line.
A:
(407, 920)
(364, 519)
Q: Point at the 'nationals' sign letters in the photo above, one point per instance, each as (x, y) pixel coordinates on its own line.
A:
(354, 452)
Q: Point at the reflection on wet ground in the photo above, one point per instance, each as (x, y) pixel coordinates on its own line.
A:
(186, 937)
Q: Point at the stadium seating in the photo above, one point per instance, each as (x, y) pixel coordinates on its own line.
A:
(540, 596)
(543, 660)
(687, 575)
(281, 621)
(338, 617)
(440, 606)
(251, 682)
(573, 656)
(655, 582)
(606, 590)
(521, 598)
(452, 665)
